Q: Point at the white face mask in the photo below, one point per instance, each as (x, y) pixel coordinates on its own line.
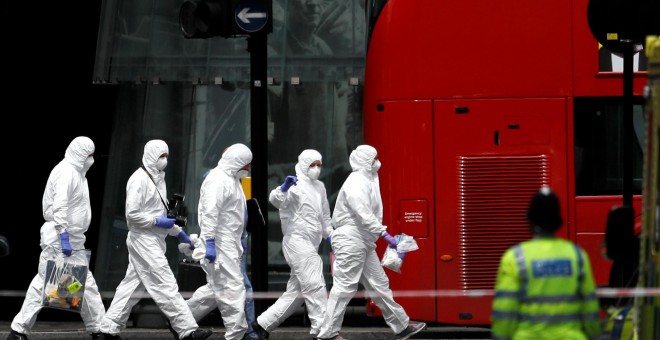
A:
(88, 163)
(314, 172)
(161, 163)
(375, 166)
(242, 174)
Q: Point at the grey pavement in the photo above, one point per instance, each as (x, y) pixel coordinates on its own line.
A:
(75, 330)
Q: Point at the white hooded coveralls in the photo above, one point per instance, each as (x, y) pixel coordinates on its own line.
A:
(357, 220)
(66, 206)
(148, 269)
(221, 215)
(305, 215)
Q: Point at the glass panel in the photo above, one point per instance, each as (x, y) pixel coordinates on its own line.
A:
(142, 113)
(312, 104)
(598, 146)
(312, 39)
(220, 117)
(321, 116)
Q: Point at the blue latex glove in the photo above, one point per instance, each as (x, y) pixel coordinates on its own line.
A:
(288, 182)
(329, 239)
(210, 250)
(402, 255)
(164, 222)
(184, 238)
(390, 239)
(66, 246)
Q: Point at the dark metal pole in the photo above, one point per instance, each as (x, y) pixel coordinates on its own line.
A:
(257, 46)
(627, 126)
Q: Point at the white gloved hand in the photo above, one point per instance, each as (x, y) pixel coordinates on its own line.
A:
(174, 231)
(200, 248)
(184, 248)
(197, 241)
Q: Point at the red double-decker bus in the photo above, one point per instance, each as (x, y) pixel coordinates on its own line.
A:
(473, 105)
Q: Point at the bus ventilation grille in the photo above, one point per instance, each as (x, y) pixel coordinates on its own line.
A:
(494, 193)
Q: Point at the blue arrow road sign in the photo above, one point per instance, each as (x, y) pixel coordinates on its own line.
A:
(251, 16)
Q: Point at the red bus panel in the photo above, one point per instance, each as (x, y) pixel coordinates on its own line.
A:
(472, 106)
(403, 136)
(491, 157)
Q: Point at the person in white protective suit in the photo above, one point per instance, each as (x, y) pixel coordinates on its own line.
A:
(148, 269)
(305, 213)
(67, 213)
(222, 213)
(357, 220)
(205, 306)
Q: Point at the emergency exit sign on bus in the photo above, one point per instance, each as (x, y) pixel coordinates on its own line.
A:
(413, 217)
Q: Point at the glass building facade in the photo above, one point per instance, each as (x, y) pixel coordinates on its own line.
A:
(195, 95)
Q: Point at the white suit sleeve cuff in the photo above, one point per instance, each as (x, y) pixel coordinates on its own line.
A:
(174, 231)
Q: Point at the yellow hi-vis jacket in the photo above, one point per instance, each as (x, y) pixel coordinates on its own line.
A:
(545, 290)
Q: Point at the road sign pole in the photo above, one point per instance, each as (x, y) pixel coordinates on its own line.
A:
(257, 46)
(628, 123)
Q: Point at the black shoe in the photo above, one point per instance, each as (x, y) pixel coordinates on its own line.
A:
(412, 329)
(336, 337)
(199, 334)
(106, 336)
(96, 336)
(261, 332)
(250, 337)
(14, 335)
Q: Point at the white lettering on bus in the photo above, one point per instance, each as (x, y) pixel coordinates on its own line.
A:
(413, 217)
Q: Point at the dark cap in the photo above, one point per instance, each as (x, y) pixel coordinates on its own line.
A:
(544, 210)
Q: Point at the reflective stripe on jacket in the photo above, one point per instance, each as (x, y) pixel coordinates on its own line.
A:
(545, 290)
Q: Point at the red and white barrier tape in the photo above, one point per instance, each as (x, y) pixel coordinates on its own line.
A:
(601, 292)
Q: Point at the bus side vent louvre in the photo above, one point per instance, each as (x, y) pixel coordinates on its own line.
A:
(494, 193)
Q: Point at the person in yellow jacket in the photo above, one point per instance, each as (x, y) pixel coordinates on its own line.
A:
(545, 288)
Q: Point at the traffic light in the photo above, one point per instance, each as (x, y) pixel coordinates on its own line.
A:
(202, 19)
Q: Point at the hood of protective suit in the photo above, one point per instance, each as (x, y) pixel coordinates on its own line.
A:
(234, 158)
(78, 150)
(152, 151)
(362, 158)
(305, 159)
